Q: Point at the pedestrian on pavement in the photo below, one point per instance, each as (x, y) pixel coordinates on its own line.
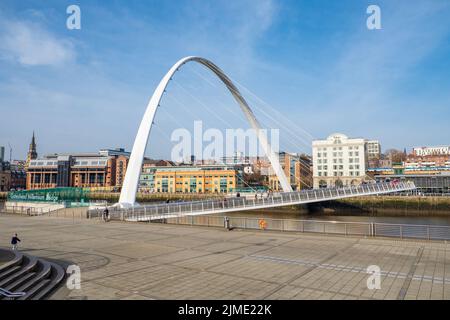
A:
(14, 241)
(106, 214)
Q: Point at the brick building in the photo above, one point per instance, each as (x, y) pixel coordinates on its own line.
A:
(106, 168)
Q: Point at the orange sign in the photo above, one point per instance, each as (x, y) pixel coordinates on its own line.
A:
(263, 224)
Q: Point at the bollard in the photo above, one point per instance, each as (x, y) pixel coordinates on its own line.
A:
(227, 223)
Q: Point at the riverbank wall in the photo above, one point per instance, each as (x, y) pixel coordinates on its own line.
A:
(387, 205)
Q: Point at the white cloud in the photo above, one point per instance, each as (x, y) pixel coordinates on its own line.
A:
(32, 45)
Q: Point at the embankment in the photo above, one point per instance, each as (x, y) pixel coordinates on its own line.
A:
(388, 205)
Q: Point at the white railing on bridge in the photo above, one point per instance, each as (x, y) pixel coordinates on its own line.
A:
(174, 209)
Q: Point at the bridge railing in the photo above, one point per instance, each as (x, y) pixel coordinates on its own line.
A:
(159, 211)
(365, 229)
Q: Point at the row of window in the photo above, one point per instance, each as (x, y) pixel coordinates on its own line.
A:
(195, 177)
(338, 173)
(193, 190)
(338, 154)
(339, 148)
(194, 182)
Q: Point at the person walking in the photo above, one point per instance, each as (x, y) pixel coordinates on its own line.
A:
(14, 241)
(106, 214)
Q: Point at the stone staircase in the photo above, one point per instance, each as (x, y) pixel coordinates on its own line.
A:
(24, 277)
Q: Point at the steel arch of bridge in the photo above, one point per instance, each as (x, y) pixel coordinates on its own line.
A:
(130, 185)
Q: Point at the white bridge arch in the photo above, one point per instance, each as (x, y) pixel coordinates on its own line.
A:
(131, 182)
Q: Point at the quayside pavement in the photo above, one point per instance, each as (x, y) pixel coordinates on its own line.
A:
(155, 261)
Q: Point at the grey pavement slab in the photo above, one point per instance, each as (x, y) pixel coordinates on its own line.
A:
(155, 261)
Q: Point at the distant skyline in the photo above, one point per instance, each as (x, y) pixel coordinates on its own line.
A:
(315, 62)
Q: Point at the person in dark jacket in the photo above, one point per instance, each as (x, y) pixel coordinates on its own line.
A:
(14, 241)
(106, 214)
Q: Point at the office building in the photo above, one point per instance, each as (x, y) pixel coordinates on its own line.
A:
(339, 160)
(105, 169)
(373, 150)
(296, 167)
(191, 179)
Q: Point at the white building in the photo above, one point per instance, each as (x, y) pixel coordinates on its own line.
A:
(339, 160)
(431, 151)
(373, 149)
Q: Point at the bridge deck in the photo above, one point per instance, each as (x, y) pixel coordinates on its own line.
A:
(178, 209)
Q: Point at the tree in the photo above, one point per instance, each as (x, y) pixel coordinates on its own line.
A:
(395, 155)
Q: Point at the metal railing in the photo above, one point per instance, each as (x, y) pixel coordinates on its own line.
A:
(174, 209)
(365, 229)
(31, 211)
(11, 295)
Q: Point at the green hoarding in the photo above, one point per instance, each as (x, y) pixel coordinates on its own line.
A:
(50, 195)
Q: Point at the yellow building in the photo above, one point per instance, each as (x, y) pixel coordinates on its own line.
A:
(199, 179)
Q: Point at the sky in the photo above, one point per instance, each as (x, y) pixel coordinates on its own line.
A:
(311, 65)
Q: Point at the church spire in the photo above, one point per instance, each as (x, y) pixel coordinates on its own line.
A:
(32, 153)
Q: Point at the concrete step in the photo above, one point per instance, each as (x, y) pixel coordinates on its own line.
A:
(28, 264)
(12, 286)
(56, 277)
(9, 271)
(44, 273)
(16, 260)
(36, 277)
(35, 290)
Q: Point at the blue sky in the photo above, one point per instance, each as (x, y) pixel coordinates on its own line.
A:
(313, 61)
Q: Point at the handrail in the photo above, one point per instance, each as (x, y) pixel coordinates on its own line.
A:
(161, 210)
(10, 294)
(371, 229)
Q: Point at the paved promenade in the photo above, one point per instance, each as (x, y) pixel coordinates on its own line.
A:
(153, 261)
